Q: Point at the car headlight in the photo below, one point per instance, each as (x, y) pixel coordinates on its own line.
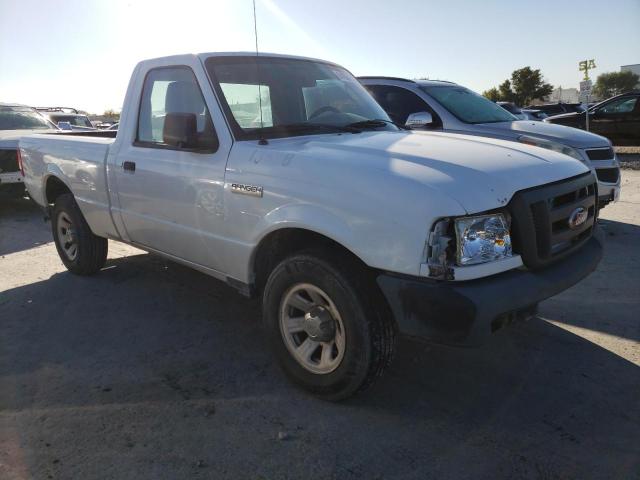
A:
(481, 239)
(549, 145)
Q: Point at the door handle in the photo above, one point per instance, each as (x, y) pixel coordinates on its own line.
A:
(129, 166)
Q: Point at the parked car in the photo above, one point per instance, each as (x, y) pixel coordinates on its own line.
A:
(15, 121)
(113, 126)
(617, 118)
(453, 108)
(535, 115)
(558, 108)
(523, 113)
(513, 109)
(348, 228)
(67, 118)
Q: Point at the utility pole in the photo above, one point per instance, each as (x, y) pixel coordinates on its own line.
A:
(585, 85)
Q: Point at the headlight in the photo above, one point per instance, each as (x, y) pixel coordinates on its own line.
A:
(549, 145)
(481, 239)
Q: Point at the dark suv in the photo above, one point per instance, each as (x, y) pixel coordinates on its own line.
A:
(617, 118)
(558, 108)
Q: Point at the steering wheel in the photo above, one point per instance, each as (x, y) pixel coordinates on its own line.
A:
(321, 110)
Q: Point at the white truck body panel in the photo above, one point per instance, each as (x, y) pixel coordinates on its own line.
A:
(375, 193)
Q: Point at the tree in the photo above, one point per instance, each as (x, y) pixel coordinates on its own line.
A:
(529, 85)
(111, 115)
(492, 94)
(614, 83)
(524, 86)
(506, 94)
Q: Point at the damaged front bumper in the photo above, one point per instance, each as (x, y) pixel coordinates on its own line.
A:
(466, 313)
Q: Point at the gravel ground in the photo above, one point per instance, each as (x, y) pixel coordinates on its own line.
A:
(153, 371)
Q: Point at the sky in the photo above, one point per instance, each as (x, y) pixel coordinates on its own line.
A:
(80, 53)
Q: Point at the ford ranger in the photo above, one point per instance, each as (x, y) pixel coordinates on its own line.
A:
(284, 178)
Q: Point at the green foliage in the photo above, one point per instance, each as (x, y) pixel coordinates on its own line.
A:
(614, 83)
(111, 115)
(524, 86)
(506, 94)
(492, 94)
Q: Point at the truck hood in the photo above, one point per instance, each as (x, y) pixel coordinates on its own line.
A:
(478, 173)
(572, 137)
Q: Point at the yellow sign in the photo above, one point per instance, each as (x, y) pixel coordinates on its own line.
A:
(585, 66)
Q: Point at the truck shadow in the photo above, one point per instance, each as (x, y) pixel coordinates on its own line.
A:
(149, 335)
(21, 225)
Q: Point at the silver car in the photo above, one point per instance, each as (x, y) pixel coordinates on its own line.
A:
(453, 108)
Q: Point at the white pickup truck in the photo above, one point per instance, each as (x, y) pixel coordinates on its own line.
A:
(283, 177)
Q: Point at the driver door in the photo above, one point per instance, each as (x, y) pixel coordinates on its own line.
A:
(170, 198)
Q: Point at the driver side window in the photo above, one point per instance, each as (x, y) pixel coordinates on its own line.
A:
(624, 105)
(399, 103)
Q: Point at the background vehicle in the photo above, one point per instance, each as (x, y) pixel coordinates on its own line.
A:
(513, 109)
(453, 108)
(67, 116)
(523, 113)
(558, 108)
(535, 115)
(617, 118)
(15, 121)
(348, 227)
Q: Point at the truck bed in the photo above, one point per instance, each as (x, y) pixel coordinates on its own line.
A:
(77, 160)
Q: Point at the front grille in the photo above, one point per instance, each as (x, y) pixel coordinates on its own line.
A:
(609, 175)
(600, 154)
(540, 219)
(8, 161)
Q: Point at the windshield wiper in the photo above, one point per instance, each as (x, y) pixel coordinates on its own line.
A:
(373, 123)
(304, 126)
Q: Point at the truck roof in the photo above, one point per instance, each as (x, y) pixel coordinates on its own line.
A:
(400, 79)
(205, 55)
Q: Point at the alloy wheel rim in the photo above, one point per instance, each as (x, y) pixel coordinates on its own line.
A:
(312, 328)
(67, 237)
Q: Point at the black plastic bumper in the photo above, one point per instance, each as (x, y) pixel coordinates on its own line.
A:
(466, 313)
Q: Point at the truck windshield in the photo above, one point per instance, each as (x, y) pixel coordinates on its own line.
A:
(298, 97)
(468, 106)
(21, 118)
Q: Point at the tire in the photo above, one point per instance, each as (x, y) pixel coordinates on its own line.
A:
(82, 252)
(362, 323)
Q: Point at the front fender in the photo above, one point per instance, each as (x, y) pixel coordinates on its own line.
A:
(308, 217)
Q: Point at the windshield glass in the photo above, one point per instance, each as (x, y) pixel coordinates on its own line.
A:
(297, 97)
(468, 106)
(75, 120)
(21, 118)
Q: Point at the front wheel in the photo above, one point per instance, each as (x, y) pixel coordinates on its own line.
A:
(330, 330)
(81, 251)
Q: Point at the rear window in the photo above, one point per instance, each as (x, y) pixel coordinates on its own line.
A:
(468, 106)
(22, 118)
(75, 120)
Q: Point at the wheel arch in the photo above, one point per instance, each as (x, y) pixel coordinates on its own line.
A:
(277, 244)
(53, 188)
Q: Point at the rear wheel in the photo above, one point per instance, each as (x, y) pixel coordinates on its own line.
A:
(330, 330)
(80, 250)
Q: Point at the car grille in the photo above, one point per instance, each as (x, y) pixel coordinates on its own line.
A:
(8, 161)
(609, 175)
(600, 154)
(540, 219)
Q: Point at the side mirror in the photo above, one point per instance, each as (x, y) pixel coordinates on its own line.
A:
(180, 130)
(418, 120)
(65, 126)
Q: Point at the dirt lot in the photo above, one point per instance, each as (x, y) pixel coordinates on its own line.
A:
(150, 370)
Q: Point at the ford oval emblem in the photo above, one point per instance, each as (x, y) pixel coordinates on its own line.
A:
(577, 217)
